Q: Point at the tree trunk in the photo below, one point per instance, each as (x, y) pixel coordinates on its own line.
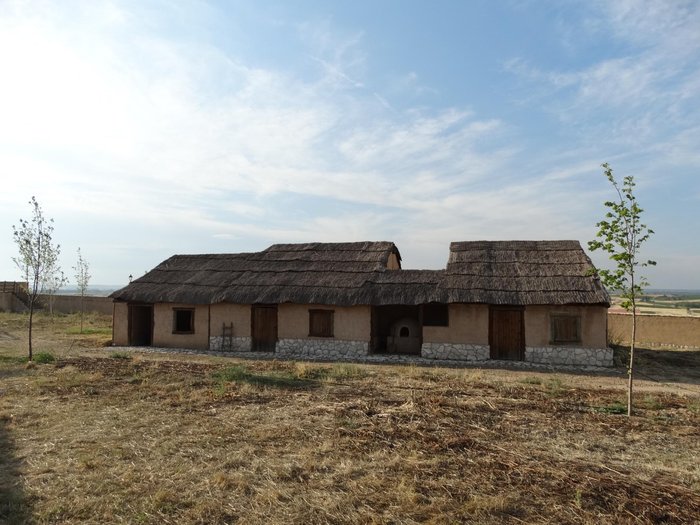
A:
(31, 319)
(82, 310)
(630, 368)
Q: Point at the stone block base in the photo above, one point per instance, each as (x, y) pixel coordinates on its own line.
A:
(455, 351)
(322, 349)
(239, 344)
(567, 355)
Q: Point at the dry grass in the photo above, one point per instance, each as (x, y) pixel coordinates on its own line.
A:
(105, 437)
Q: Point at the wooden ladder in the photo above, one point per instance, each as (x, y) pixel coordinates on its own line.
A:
(227, 337)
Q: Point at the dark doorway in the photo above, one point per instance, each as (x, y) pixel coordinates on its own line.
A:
(396, 329)
(140, 324)
(264, 328)
(507, 333)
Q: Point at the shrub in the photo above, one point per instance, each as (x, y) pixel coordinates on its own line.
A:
(613, 408)
(44, 358)
(232, 373)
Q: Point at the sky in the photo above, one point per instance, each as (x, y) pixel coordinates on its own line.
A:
(150, 128)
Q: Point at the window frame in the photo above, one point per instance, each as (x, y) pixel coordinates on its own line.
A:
(329, 321)
(176, 311)
(553, 318)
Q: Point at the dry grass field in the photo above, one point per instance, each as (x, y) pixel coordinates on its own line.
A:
(103, 436)
(684, 304)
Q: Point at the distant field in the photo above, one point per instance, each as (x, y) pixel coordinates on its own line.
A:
(667, 304)
(103, 436)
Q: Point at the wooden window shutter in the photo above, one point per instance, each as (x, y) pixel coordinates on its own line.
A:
(321, 323)
(566, 328)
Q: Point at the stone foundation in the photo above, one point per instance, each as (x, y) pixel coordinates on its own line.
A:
(567, 355)
(330, 349)
(239, 344)
(455, 351)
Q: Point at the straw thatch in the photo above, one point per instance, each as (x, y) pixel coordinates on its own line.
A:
(320, 273)
(522, 273)
(344, 274)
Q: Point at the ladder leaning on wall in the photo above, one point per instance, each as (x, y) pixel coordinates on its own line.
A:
(227, 337)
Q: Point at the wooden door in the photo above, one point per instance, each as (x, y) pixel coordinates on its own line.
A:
(507, 333)
(264, 328)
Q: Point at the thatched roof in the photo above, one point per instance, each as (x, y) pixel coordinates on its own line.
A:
(522, 273)
(321, 273)
(346, 274)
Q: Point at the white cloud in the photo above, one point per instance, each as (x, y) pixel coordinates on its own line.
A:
(172, 146)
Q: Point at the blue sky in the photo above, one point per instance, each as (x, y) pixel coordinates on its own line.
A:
(152, 128)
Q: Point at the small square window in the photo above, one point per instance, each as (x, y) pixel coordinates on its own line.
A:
(321, 323)
(565, 328)
(435, 314)
(183, 320)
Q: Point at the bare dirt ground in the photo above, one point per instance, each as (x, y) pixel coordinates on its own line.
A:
(98, 436)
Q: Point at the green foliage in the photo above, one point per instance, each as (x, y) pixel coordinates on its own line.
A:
(120, 355)
(232, 373)
(281, 379)
(617, 407)
(44, 358)
(621, 235)
(11, 359)
(36, 252)
(38, 257)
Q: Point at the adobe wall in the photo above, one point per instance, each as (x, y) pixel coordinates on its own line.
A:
(468, 323)
(70, 304)
(655, 330)
(10, 303)
(163, 327)
(393, 262)
(226, 313)
(120, 324)
(593, 325)
(350, 323)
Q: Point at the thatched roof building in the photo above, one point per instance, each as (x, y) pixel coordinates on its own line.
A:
(522, 273)
(345, 274)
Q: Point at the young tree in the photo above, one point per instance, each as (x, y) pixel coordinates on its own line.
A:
(37, 255)
(82, 278)
(53, 281)
(621, 235)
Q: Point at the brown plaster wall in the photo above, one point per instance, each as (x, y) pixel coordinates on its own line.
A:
(238, 314)
(163, 327)
(350, 323)
(393, 262)
(69, 304)
(10, 303)
(120, 323)
(593, 324)
(655, 330)
(468, 323)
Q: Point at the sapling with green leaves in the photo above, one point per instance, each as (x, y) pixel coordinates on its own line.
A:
(54, 279)
(37, 256)
(621, 235)
(82, 278)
